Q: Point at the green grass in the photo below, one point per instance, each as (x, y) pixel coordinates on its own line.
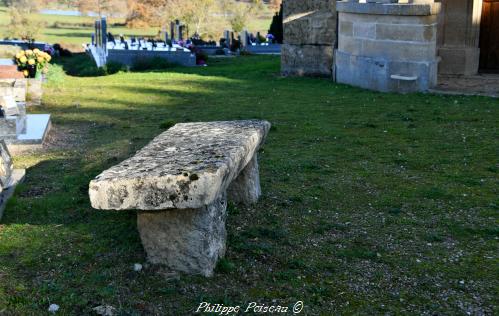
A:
(73, 31)
(373, 203)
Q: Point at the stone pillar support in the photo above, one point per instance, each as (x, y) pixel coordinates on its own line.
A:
(245, 189)
(186, 240)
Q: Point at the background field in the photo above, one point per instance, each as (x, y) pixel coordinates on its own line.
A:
(73, 31)
(373, 203)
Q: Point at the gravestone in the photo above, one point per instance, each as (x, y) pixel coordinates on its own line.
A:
(172, 30)
(15, 87)
(244, 38)
(181, 32)
(9, 105)
(227, 37)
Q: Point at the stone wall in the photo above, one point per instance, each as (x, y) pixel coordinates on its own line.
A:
(309, 37)
(128, 57)
(458, 36)
(387, 47)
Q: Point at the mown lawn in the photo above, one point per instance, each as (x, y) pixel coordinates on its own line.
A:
(373, 203)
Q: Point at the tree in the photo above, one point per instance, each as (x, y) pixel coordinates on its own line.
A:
(276, 28)
(198, 15)
(21, 24)
(238, 13)
(275, 4)
(101, 7)
(145, 12)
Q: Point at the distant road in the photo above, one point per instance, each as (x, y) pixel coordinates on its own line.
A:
(71, 13)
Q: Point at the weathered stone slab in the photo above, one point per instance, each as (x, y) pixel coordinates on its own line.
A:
(187, 167)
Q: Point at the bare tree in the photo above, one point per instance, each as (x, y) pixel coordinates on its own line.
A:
(102, 7)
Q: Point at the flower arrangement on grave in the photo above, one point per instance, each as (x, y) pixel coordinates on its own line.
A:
(32, 62)
(201, 57)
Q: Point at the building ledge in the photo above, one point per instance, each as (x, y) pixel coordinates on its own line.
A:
(388, 8)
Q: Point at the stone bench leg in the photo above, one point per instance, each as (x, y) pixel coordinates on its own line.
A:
(245, 189)
(186, 240)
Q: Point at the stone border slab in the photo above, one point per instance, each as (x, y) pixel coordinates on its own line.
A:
(16, 178)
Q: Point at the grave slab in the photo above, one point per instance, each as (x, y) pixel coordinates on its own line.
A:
(35, 128)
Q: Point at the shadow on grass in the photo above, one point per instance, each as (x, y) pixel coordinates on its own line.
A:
(86, 33)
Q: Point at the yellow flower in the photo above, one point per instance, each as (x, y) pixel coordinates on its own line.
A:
(31, 62)
(40, 59)
(23, 59)
(48, 57)
(36, 50)
(18, 55)
(26, 73)
(28, 52)
(21, 52)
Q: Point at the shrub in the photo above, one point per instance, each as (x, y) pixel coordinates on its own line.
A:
(60, 51)
(155, 63)
(276, 27)
(201, 56)
(55, 74)
(114, 67)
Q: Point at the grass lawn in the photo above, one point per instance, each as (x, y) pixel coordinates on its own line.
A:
(373, 203)
(73, 31)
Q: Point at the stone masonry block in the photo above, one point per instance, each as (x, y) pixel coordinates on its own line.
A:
(388, 19)
(307, 60)
(314, 28)
(399, 50)
(415, 33)
(292, 7)
(364, 30)
(345, 28)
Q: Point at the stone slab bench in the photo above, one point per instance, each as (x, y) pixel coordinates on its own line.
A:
(180, 183)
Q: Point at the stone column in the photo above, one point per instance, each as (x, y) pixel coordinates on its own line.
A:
(245, 189)
(309, 37)
(387, 47)
(458, 36)
(186, 240)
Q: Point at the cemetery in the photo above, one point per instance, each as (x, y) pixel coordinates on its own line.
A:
(176, 46)
(326, 172)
